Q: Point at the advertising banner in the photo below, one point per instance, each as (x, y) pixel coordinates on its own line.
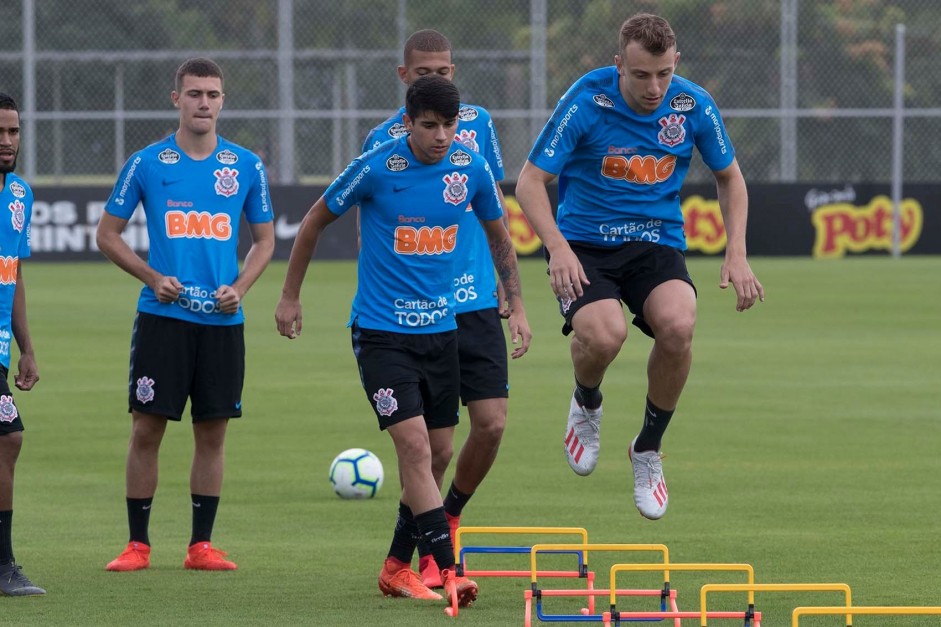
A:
(825, 221)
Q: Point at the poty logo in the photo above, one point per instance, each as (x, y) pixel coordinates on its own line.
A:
(17, 190)
(198, 225)
(425, 240)
(843, 227)
(644, 170)
(8, 267)
(397, 130)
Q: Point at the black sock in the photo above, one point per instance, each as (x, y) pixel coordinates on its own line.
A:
(6, 537)
(433, 529)
(138, 519)
(589, 398)
(204, 517)
(655, 424)
(454, 502)
(405, 536)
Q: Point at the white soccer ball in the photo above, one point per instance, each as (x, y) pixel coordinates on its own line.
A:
(356, 474)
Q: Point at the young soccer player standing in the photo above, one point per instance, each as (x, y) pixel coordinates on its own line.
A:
(17, 197)
(188, 339)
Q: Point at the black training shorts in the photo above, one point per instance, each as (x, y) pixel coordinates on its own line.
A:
(481, 348)
(172, 360)
(10, 420)
(628, 273)
(407, 375)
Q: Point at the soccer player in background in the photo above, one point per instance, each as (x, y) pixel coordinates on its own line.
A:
(420, 197)
(479, 300)
(620, 141)
(17, 197)
(187, 339)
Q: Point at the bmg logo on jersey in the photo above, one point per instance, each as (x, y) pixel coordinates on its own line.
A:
(198, 225)
(8, 267)
(425, 240)
(645, 170)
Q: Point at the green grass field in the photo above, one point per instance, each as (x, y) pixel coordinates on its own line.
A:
(806, 444)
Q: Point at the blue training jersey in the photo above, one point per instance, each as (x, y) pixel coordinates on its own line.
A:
(620, 172)
(414, 221)
(475, 284)
(193, 210)
(17, 197)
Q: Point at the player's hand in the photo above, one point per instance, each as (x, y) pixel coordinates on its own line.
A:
(503, 306)
(748, 289)
(228, 299)
(566, 275)
(520, 333)
(28, 374)
(288, 318)
(167, 289)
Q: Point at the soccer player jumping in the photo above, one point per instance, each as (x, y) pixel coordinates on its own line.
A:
(620, 141)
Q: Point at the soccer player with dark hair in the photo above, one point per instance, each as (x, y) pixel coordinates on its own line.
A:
(17, 197)
(420, 197)
(188, 336)
(620, 141)
(478, 295)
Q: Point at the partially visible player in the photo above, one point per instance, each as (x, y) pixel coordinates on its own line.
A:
(420, 198)
(188, 337)
(17, 198)
(620, 141)
(481, 342)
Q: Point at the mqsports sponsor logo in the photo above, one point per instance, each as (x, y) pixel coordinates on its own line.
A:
(717, 126)
(495, 144)
(563, 123)
(198, 300)
(127, 181)
(419, 312)
(352, 186)
(648, 231)
(263, 180)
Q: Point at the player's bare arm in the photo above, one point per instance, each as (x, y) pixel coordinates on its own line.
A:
(288, 314)
(230, 297)
(108, 237)
(27, 372)
(733, 203)
(504, 259)
(566, 275)
(503, 306)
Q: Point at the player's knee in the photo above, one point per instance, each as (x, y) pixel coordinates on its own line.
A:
(675, 334)
(489, 432)
(10, 445)
(440, 459)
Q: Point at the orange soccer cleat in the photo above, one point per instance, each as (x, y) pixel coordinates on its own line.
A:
(398, 580)
(136, 556)
(203, 556)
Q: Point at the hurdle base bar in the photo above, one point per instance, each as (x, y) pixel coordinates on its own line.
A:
(588, 613)
(613, 619)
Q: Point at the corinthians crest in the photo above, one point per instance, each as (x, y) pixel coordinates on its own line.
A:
(385, 402)
(455, 188)
(19, 215)
(227, 183)
(672, 132)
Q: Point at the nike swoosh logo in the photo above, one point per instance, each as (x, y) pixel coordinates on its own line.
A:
(238, 405)
(284, 229)
(146, 506)
(197, 504)
(401, 188)
(170, 181)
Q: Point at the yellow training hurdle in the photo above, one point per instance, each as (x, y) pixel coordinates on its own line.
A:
(863, 609)
(771, 587)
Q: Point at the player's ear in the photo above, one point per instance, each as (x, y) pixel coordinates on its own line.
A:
(175, 99)
(403, 73)
(617, 64)
(407, 121)
(452, 71)
(676, 60)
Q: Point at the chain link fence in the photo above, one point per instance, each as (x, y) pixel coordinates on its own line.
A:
(805, 86)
